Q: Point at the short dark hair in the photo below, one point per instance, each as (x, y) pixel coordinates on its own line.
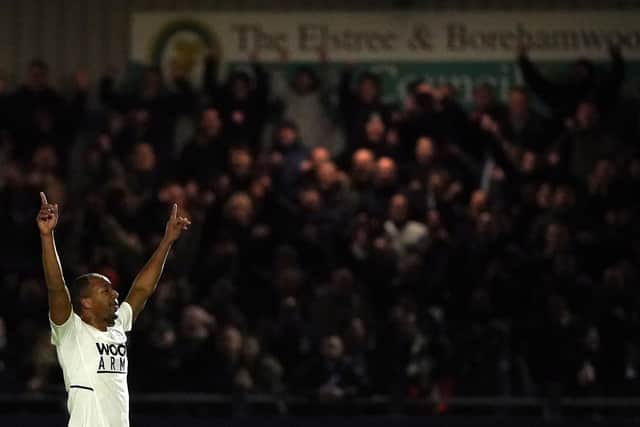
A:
(80, 289)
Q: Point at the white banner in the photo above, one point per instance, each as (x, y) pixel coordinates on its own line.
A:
(389, 36)
(462, 48)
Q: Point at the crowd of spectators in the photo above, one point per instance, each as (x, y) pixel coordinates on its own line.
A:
(341, 246)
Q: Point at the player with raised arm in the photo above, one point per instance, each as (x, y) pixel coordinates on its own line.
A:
(89, 329)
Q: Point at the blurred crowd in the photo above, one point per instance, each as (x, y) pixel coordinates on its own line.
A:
(341, 245)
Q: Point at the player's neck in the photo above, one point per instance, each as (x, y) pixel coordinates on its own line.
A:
(91, 320)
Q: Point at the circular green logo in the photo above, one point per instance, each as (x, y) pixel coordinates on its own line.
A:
(181, 46)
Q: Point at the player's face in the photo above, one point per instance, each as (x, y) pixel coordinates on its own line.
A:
(105, 300)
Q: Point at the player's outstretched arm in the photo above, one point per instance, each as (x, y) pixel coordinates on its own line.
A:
(59, 300)
(145, 282)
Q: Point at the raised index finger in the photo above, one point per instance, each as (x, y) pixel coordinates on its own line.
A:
(174, 211)
(43, 199)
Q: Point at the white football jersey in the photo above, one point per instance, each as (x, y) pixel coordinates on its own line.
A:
(95, 366)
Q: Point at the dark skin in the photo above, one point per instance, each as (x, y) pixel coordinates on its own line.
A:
(101, 303)
(99, 306)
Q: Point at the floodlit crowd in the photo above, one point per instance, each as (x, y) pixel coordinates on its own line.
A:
(342, 246)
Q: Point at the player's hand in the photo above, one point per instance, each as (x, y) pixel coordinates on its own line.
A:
(48, 216)
(175, 225)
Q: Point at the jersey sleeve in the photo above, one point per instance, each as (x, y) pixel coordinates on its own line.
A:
(62, 332)
(125, 316)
